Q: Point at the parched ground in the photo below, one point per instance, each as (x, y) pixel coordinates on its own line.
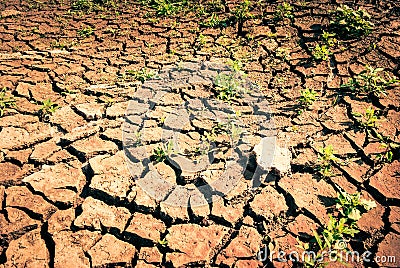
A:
(59, 200)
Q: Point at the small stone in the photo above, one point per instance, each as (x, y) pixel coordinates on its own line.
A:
(97, 214)
(23, 198)
(146, 227)
(269, 203)
(90, 111)
(271, 156)
(109, 250)
(193, 243)
(28, 251)
(59, 183)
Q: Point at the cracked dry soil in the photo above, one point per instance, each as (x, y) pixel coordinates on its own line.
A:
(60, 205)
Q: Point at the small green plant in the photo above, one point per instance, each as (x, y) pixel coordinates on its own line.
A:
(48, 107)
(140, 75)
(166, 7)
(90, 5)
(62, 44)
(351, 23)
(160, 153)
(369, 81)
(284, 10)
(351, 206)
(307, 98)
(228, 87)
(163, 242)
(367, 120)
(82, 5)
(5, 101)
(214, 22)
(241, 14)
(325, 159)
(332, 240)
(85, 32)
(321, 52)
(388, 146)
(329, 38)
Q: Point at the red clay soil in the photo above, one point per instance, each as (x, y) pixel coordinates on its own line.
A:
(58, 207)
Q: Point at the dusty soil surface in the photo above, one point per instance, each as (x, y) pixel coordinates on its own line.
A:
(67, 198)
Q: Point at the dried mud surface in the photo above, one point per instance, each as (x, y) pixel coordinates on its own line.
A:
(59, 206)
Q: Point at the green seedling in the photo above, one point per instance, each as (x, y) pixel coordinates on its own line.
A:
(284, 10)
(166, 7)
(85, 32)
(241, 14)
(369, 81)
(48, 107)
(388, 146)
(90, 5)
(351, 206)
(214, 22)
(321, 52)
(160, 153)
(367, 120)
(329, 38)
(82, 5)
(228, 87)
(333, 237)
(5, 101)
(325, 160)
(163, 242)
(307, 98)
(351, 23)
(140, 75)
